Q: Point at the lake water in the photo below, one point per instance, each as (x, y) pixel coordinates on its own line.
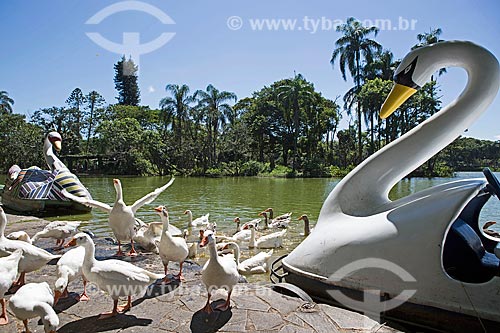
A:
(226, 198)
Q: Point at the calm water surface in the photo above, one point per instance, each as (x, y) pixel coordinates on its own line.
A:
(226, 198)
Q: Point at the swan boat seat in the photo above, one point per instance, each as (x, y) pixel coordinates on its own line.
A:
(468, 254)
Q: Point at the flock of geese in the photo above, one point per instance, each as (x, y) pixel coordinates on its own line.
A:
(18, 256)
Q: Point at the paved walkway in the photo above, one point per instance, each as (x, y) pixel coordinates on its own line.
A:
(176, 308)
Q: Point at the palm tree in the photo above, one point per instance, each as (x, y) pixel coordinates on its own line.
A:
(176, 108)
(294, 93)
(5, 103)
(428, 38)
(382, 66)
(217, 111)
(351, 49)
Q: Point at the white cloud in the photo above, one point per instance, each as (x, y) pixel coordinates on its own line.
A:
(497, 137)
(151, 89)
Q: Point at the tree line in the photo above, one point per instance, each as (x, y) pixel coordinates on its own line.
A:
(285, 129)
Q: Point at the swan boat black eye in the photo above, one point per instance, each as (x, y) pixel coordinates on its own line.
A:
(405, 76)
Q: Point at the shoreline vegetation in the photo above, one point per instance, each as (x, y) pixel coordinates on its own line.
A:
(285, 129)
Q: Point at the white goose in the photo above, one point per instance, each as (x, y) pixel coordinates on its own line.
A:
(268, 241)
(244, 233)
(258, 264)
(275, 224)
(8, 273)
(35, 300)
(21, 236)
(201, 221)
(171, 248)
(148, 234)
(122, 217)
(33, 258)
(69, 268)
(218, 272)
(118, 278)
(245, 225)
(273, 219)
(192, 246)
(59, 230)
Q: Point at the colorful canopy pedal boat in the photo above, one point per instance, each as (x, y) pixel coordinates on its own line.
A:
(39, 192)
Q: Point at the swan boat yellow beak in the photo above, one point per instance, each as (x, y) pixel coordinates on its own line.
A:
(398, 95)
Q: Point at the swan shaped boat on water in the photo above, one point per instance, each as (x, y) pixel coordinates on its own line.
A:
(422, 256)
(38, 191)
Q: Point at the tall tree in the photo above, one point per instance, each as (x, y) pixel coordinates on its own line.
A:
(371, 97)
(351, 49)
(75, 101)
(95, 101)
(126, 82)
(295, 94)
(176, 108)
(217, 111)
(5, 103)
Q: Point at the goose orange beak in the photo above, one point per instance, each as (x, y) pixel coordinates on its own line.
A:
(57, 295)
(398, 95)
(71, 243)
(158, 209)
(204, 241)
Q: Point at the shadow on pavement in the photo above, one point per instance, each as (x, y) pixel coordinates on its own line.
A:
(202, 322)
(91, 324)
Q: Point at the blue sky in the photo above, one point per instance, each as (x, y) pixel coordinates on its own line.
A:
(46, 52)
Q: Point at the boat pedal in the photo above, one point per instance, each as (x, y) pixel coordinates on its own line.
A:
(277, 266)
(292, 290)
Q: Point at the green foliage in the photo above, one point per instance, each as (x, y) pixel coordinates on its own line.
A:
(126, 82)
(336, 171)
(213, 172)
(254, 168)
(282, 171)
(20, 142)
(470, 154)
(123, 141)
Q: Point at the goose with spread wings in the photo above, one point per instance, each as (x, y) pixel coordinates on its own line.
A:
(122, 217)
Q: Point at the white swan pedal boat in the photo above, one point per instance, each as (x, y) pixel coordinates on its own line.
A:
(422, 258)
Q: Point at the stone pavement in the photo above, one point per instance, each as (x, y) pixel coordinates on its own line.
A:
(176, 307)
